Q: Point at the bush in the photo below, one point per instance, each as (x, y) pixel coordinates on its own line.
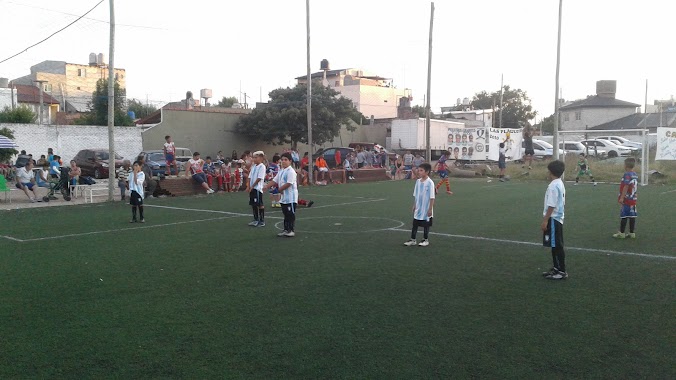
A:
(20, 115)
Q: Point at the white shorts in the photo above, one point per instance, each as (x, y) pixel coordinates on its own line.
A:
(323, 170)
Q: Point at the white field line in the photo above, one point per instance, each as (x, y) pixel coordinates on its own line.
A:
(10, 238)
(333, 196)
(540, 245)
(351, 203)
(667, 192)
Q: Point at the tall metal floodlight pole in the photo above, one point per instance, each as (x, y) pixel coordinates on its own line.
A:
(111, 104)
(428, 151)
(555, 139)
(502, 86)
(309, 92)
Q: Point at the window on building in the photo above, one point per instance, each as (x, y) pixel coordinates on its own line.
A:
(578, 115)
(47, 87)
(82, 72)
(566, 116)
(79, 88)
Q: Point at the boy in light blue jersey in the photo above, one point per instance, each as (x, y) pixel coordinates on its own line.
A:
(552, 221)
(423, 205)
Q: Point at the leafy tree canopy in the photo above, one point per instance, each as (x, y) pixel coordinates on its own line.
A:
(20, 115)
(284, 119)
(140, 110)
(227, 102)
(98, 107)
(516, 112)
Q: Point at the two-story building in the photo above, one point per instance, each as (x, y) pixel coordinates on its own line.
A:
(597, 109)
(372, 95)
(71, 84)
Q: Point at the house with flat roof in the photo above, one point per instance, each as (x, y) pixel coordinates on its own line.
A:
(596, 109)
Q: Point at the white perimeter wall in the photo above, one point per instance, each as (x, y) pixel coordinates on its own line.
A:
(67, 140)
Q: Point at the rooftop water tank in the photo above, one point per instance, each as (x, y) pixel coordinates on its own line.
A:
(324, 65)
(92, 59)
(101, 59)
(4, 82)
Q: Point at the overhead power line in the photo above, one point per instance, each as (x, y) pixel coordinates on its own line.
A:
(53, 34)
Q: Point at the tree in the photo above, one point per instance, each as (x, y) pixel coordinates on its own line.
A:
(420, 110)
(546, 125)
(140, 110)
(516, 111)
(98, 107)
(284, 119)
(227, 102)
(20, 115)
(6, 153)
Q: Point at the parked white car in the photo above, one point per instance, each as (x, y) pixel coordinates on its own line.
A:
(612, 149)
(576, 147)
(622, 141)
(541, 148)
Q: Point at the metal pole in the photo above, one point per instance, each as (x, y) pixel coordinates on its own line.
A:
(501, 88)
(309, 95)
(556, 101)
(428, 149)
(41, 111)
(111, 104)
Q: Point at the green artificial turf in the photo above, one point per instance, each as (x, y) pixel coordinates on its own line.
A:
(196, 293)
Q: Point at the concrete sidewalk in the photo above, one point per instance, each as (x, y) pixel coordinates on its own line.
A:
(20, 201)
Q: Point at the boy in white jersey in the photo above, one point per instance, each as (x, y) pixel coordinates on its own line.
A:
(552, 221)
(286, 181)
(196, 170)
(255, 189)
(170, 155)
(135, 184)
(423, 205)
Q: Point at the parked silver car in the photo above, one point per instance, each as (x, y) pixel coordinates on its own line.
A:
(613, 150)
(622, 141)
(576, 147)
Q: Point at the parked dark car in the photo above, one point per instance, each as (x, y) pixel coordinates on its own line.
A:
(94, 162)
(155, 159)
(330, 155)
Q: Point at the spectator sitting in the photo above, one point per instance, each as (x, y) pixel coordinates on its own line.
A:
(196, 170)
(22, 159)
(25, 180)
(74, 173)
(55, 167)
(361, 158)
(322, 169)
(123, 177)
(348, 168)
(211, 173)
(42, 161)
(43, 177)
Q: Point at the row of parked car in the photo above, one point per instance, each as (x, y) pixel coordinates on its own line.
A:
(601, 147)
(95, 162)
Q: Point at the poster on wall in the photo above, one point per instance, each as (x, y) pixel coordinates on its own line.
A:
(466, 143)
(511, 137)
(666, 144)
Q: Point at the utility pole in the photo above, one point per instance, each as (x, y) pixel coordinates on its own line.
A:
(40, 85)
(555, 139)
(111, 104)
(502, 85)
(309, 93)
(428, 151)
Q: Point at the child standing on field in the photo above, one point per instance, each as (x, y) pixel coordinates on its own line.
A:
(423, 205)
(502, 164)
(627, 200)
(442, 170)
(552, 221)
(583, 168)
(135, 183)
(286, 181)
(255, 189)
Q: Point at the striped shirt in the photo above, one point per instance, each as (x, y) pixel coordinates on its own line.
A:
(555, 197)
(138, 185)
(423, 193)
(287, 175)
(257, 171)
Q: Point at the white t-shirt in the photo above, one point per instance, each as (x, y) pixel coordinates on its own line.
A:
(287, 175)
(24, 175)
(422, 193)
(257, 171)
(408, 159)
(196, 166)
(170, 148)
(555, 197)
(138, 185)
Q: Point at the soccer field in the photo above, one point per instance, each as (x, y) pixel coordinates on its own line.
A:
(196, 293)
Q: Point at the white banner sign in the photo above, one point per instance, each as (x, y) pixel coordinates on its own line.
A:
(511, 137)
(666, 144)
(466, 143)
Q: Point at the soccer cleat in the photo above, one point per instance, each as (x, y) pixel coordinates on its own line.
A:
(132, 221)
(309, 204)
(530, 168)
(142, 220)
(619, 235)
(253, 223)
(290, 234)
(594, 183)
(502, 180)
(550, 272)
(260, 224)
(631, 235)
(283, 233)
(411, 243)
(557, 276)
(210, 191)
(575, 184)
(424, 243)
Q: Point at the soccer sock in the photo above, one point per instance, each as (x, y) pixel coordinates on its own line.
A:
(414, 231)
(302, 202)
(426, 232)
(133, 212)
(255, 212)
(623, 224)
(292, 221)
(448, 185)
(261, 213)
(632, 224)
(560, 258)
(140, 211)
(592, 178)
(577, 179)
(438, 185)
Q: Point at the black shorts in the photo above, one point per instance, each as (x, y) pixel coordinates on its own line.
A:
(553, 235)
(135, 199)
(256, 198)
(529, 152)
(422, 223)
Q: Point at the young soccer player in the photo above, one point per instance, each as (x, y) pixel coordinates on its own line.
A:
(170, 155)
(423, 205)
(552, 221)
(238, 176)
(226, 172)
(627, 200)
(135, 183)
(442, 170)
(271, 173)
(255, 189)
(583, 168)
(196, 169)
(502, 165)
(286, 181)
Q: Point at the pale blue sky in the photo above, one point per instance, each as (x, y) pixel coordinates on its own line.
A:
(170, 47)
